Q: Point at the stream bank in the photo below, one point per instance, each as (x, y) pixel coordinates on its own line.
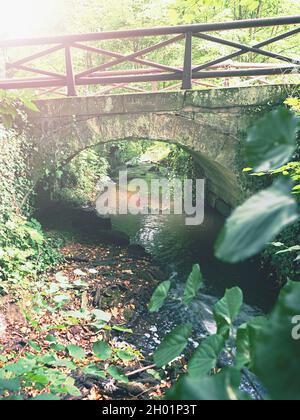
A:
(122, 260)
(117, 282)
(109, 278)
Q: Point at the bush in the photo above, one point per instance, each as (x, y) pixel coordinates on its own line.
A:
(15, 187)
(24, 250)
(76, 182)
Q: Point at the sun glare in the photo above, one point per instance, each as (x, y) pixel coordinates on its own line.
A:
(25, 18)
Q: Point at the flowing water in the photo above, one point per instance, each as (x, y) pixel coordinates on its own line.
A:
(177, 247)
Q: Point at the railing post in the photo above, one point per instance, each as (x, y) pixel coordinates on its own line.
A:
(70, 78)
(187, 68)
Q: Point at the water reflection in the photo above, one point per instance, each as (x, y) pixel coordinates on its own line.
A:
(177, 247)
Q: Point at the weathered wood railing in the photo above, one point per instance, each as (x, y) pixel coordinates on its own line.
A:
(149, 71)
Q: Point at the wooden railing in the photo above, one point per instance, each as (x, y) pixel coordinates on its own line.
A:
(145, 70)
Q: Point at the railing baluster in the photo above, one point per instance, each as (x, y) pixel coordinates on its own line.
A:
(70, 78)
(187, 68)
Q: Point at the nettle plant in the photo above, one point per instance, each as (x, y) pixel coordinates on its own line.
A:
(265, 346)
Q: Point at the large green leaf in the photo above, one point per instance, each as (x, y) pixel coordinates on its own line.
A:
(94, 370)
(102, 350)
(257, 222)
(272, 141)
(194, 283)
(159, 296)
(172, 345)
(117, 374)
(12, 385)
(276, 351)
(68, 387)
(21, 367)
(76, 352)
(126, 356)
(46, 397)
(206, 356)
(227, 310)
(221, 387)
(245, 339)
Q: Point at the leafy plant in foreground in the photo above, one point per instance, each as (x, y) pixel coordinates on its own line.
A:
(265, 346)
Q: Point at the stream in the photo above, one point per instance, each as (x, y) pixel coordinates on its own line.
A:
(177, 247)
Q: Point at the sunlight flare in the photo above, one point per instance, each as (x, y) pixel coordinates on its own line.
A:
(25, 18)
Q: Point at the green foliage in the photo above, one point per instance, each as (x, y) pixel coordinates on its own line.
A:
(276, 348)
(35, 369)
(117, 374)
(48, 365)
(263, 216)
(205, 358)
(76, 182)
(159, 296)
(281, 256)
(124, 152)
(263, 345)
(272, 141)
(268, 347)
(294, 104)
(24, 250)
(227, 310)
(102, 350)
(221, 387)
(194, 283)
(290, 170)
(15, 187)
(76, 352)
(94, 370)
(181, 164)
(245, 235)
(245, 341)
(173, 345)
(13, 107)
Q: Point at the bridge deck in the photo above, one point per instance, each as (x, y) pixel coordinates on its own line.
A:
(141, 103)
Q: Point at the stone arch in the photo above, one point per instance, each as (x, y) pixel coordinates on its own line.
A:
(208, 123)
(214, 149)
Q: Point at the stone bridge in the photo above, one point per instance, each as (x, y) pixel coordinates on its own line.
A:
(210, 124)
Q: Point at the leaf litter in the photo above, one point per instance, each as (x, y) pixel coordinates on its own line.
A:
(90, 298)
